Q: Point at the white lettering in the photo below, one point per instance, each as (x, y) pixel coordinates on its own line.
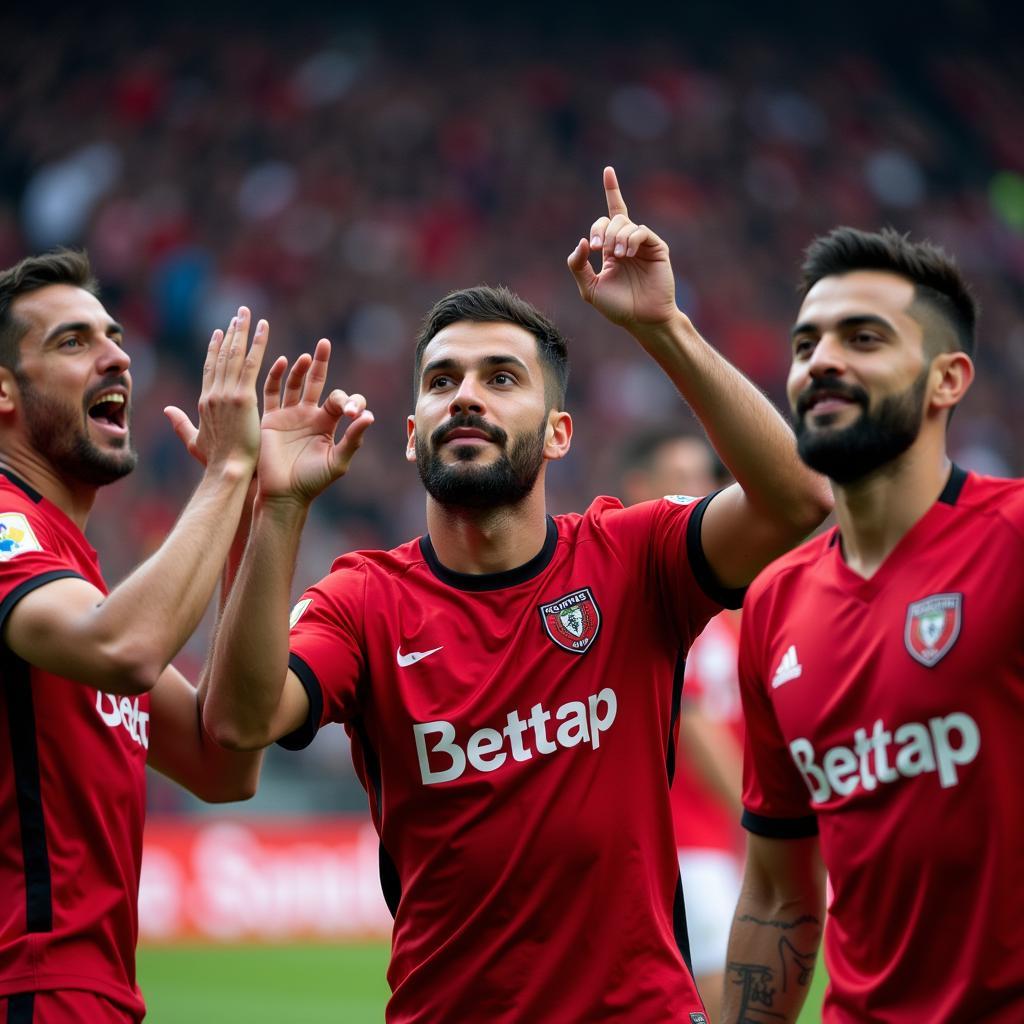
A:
(487, 749)
(446, 745)
(483, 750)
(124, 711)
(942, 746)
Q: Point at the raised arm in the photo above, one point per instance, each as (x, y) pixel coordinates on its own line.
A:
(253, 697)
(122, 642)
(776, 500)
(773, 945)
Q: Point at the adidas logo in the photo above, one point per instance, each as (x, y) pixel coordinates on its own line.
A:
(789, 668)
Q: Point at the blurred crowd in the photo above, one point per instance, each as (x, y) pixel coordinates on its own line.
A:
(339, 179)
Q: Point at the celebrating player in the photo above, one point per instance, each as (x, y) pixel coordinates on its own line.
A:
(87, 694)
(881, 668)
(509, 679)
(706, 784)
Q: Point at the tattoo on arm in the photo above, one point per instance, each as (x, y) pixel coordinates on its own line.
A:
(761, 984)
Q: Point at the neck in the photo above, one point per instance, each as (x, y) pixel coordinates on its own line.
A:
(74, 499)
(488, 540)
(875, 512)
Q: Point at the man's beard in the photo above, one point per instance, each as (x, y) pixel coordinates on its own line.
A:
(55, 430)
(506, 481)
(875, 438)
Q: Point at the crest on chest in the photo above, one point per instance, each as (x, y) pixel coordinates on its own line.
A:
(573, 620)
(933, 625)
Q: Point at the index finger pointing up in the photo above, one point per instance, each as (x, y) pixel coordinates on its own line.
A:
(616, 204)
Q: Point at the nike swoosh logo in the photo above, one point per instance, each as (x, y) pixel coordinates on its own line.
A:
(405, 660)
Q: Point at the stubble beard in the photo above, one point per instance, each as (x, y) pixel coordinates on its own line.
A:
(875, 438)
(463, 485)
(56, 430)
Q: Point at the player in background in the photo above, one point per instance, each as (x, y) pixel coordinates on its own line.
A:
(882, 673)
(707, 780)
(509, 678)
(87, 692)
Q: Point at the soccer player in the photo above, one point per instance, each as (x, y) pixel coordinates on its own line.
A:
(509, 679)
(882, 674)
(87, 694)
(706, 785)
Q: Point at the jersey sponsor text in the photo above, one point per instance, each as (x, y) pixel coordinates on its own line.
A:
(485, 750)
(124, 711)
(942, 746)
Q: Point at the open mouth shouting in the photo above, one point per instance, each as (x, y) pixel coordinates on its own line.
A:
(108, 409)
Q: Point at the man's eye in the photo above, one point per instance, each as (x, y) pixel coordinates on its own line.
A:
(440, 382)
(71, 342)
(802, 346)
(504, 378)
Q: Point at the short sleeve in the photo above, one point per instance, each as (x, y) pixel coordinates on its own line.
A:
(672, 528)
(30, 557)
(775, 798)
(326, 651)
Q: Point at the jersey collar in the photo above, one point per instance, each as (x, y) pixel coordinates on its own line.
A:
(492, 580)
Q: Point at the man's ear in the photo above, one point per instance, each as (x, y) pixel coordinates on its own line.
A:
(557, 434)
(410, 440)
(952, 374)
(9, 392)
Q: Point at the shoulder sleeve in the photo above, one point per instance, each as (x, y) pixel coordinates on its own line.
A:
(30, 556)
(775, 799)
(326, 650)
(669, 530)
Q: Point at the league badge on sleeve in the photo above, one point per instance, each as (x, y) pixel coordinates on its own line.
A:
(16, 536)
(572, 621)
(933, 624)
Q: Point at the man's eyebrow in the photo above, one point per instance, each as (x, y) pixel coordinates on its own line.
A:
(81, 326)
(496, 360)
(862, 320)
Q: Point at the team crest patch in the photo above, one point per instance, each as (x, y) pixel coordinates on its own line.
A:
(16, 536)
(572, 621)
(933, 624)
(698, 1018)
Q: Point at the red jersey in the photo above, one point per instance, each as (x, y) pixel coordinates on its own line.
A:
(889, 714)
(72, 788)
(515, 735)
(703, 821)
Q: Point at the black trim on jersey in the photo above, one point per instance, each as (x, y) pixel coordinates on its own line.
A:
(492, 580)
(21, 1008)
(15, 595)
(304, 735)
(677, 700)
(16, 678)
(780, 828)
(699, 564)
(390, 882)
(679, 929)
(21, 485)
(954, 485)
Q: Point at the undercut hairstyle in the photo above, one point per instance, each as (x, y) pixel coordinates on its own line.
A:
(61, 266)
(939, 287)
(487, 305)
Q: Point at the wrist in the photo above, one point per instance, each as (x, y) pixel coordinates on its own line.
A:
(283, 509)
(233, 471)
(676, 329)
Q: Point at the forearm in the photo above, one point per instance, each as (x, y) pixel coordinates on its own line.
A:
(749, 434)
(152, 612)
(250, 654)
(776, 931)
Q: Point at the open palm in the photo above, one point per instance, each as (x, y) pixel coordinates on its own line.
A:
(299, 456)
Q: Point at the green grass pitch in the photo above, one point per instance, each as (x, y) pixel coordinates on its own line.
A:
(311, 984)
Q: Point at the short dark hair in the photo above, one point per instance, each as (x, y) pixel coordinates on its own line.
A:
(642, 449)
(937, 280)
(486, 304)
(60, 266)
